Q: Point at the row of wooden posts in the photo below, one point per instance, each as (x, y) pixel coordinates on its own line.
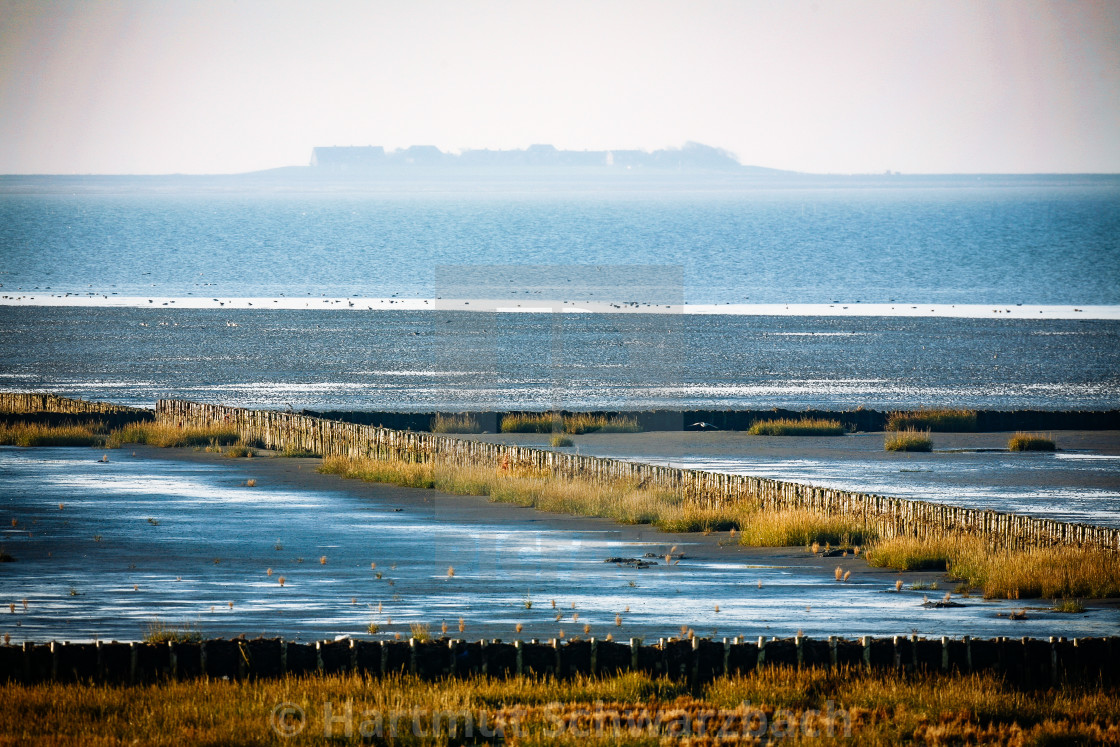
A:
(884, 515)
(36, 402)
(1027, 661)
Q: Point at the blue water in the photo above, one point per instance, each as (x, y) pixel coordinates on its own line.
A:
(451, 361)
(933, 240)
(104, 549)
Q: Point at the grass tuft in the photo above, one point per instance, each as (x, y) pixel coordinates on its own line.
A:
(796, 427)
(908, 440)
(1053, 572)
(560, 441)
(463, 423)
(238, 451)
(1030, 442)
(159, 632)
(794, 528)
(549, 422)
(38, 434)
(939, 420)
(165, 435)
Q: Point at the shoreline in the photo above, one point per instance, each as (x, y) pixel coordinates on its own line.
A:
(842, 309)
(426, 531)
(292, 473)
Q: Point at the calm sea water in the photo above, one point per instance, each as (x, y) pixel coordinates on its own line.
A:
(424, 361)
(928, 240)
(921, 240)
(103, 549)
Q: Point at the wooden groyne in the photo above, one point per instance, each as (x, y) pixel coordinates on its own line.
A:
(1023, 661)
(863, 420)
(884, 515)
(50, 409)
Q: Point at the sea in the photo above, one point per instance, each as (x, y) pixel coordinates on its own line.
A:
(626, 293)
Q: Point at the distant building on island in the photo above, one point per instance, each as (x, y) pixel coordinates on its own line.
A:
(372, 158)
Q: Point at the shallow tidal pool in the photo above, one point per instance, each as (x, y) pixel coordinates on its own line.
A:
(103, 549)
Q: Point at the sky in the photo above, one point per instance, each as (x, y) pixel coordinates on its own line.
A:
(860, 86)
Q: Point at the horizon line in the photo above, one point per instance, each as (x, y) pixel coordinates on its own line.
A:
(425, 169)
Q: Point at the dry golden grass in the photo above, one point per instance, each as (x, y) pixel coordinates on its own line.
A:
(800, 528)
(908, 440)
(622, 501)
(167, 435)
(796, 427)
(1030, 442)
(463, 423)
(37, 434)
(942, 420)
(878, 708)
(1051, 572)
(548, 422)
(160, 632)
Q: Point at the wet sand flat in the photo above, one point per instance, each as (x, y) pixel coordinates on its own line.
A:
(178, 535)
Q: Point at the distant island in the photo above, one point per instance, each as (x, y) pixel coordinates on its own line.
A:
(374, 158)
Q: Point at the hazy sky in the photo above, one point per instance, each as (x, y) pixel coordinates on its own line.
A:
(204, 86)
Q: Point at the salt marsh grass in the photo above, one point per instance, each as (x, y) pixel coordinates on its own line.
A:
(796, 427)
(908, 440)
(1053, 572)
(1030, 442)
(549, 422)
(1069, 606)
(877, 707)
(238, 451)
(561, 441)
(622, 501)
(940, 420)
(463, 423)
(166, 435)
(792, 528)
(545, 422)
(159, 632)
(37, 434)
(585, 423)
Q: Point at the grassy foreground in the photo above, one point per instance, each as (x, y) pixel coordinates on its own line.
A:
(816, 706)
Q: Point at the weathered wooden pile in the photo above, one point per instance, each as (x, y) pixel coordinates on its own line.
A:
(1026, 661)
(50, 409)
